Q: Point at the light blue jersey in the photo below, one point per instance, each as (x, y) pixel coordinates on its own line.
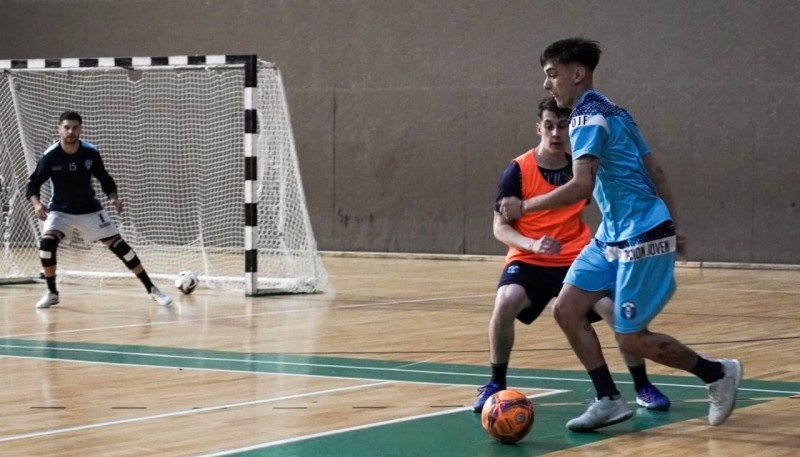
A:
(624, 191)
(633, 254)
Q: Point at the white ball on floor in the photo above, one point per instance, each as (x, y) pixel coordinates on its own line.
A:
(186, 281)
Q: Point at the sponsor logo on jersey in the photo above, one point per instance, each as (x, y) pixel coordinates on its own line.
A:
(56, 168)
(586, 120)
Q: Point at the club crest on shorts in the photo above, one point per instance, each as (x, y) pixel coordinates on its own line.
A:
(513, 269)
(88, 164)
(628, 310)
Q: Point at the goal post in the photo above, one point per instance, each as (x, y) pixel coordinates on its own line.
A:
(204, 157)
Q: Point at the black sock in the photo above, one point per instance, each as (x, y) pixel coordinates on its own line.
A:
(148, 284)
(51, 284)
(499, 371)
(603, 382)
(639, 375)
(708, 370)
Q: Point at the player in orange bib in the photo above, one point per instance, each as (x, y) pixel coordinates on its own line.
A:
(541, 248)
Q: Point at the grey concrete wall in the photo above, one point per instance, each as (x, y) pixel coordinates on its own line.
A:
(406, 111)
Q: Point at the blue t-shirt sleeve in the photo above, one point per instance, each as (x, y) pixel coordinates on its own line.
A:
(641, 144)
(588, 135)
(510, 184)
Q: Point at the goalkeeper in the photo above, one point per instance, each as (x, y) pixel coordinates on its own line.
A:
(70, 163)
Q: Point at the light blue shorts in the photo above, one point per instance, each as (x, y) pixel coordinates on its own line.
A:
(639, 273)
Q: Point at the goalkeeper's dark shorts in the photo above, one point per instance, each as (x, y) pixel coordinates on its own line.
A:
(541, 285)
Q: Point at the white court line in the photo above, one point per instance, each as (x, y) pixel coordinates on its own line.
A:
(255, 373)
(249, 362)
(373, 383)
(270, 362)
(255, 402)
(428, 360)
(240, 316)
(421, 300)
(184, 413)
(355, 428)
(325, 365)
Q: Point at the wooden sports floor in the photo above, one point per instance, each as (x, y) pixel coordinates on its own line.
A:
(387, 365)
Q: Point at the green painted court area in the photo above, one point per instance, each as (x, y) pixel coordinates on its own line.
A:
(452, 431)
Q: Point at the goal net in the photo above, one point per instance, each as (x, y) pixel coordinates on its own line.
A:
(203, 155)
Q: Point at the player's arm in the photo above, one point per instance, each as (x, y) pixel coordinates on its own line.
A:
(505, 233)
(107, 183)
(584, 170)
(580, 187)
(115, 200)
(511, 185)
(39, 176)
(38, 208)
(664, 191)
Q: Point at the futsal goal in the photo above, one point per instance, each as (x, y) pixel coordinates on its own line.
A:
(203, 154)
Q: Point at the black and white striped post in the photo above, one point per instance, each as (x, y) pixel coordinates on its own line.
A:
(250, 174)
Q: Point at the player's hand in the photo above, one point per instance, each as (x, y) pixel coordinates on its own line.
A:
(41, 212)
(511, 208)
(681, 247)
(117, 204)
(545, 245)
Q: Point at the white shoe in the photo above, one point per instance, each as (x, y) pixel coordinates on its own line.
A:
(722, 392)
(160, 297)
(48, 299)
(601, 413)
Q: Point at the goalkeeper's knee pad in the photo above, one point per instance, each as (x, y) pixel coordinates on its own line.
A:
(47, 250)
(124, 252)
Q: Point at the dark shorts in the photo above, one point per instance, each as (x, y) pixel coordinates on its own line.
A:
(541, 285)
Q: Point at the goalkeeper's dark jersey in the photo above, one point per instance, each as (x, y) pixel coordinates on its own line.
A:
(72, 178)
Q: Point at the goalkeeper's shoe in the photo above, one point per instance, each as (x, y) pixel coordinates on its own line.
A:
(160, 297)
(49, 299)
